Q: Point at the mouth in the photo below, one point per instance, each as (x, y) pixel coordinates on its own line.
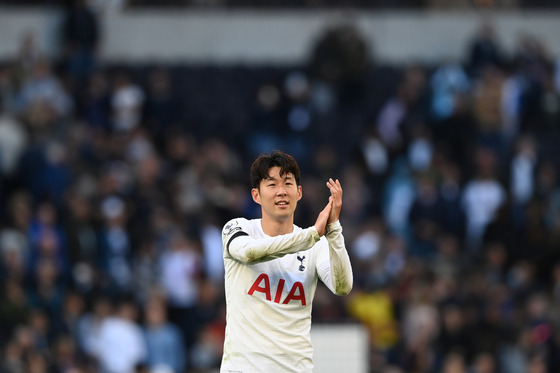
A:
(282, 203)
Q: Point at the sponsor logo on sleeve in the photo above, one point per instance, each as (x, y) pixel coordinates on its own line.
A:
(231, 228)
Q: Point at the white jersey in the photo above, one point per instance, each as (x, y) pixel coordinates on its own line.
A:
(270, 283)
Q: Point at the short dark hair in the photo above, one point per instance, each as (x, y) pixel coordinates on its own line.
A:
(261, 165)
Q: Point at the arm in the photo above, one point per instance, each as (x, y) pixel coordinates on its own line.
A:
(333, 265)
(335, 269)
(247, 249)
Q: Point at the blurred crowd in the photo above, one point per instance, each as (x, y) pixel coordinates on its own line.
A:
(116, 181)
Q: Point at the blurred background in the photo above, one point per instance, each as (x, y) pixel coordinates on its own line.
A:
(127, 129)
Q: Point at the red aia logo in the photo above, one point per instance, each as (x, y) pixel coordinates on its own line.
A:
(262, 285)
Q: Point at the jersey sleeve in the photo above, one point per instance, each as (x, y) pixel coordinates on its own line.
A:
(333, 264)
(239, 244)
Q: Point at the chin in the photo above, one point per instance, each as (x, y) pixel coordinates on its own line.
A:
(284, 216)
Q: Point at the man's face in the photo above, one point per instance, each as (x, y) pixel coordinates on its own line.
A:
(277, 195)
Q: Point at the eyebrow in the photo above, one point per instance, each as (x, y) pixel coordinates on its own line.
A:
(285, 177)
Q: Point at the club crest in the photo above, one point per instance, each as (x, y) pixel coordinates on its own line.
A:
(301, 267)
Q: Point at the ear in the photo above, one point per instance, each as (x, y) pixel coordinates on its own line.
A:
(256, 196)
(299, 192)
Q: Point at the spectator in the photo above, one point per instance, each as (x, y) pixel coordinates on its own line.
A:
(164, 341)
(211, 239)
(47, 239)
(481, 198)
(43, 95)
(95, 101)
(65, 354)
(121, 345)
(420, 327)
(28, 56)
(453, 217)
(522, 172)
(341, 58)
(115, 246)
(485, 49)
(13, 140)
(376, 310)
(398, 198)
(47, 292)
(483, 363)
(14, 254)
(454, 338)
(454, 363)
(14, 309)
(448, 84)
(162, 107)
(426, 217)
(487, 101)
(81, 227)
(127, 99)
(180, 270)
(67, 323)
(13, 361)
(89, 325)
(80, 39)
(207, 352)
(145, 267)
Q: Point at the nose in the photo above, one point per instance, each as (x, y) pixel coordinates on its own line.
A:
(281, 191)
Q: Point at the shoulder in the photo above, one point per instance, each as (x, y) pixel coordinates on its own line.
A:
(238, 225)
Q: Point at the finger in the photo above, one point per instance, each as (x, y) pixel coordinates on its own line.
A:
(331, 184)
(338, 187)
(334, 189)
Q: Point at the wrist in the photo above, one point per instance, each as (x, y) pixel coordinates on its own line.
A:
(316, 233)
(333, 226)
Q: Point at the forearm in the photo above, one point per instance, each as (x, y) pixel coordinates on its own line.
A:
(340, 278)
(250, 250)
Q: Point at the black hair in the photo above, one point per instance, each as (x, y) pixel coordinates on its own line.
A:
(261, 166)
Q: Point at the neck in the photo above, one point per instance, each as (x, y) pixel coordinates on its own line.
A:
(276, 228)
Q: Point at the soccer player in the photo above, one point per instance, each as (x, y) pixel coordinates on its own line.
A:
(271, 272)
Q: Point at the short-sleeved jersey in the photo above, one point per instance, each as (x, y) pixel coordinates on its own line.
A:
(269, 300)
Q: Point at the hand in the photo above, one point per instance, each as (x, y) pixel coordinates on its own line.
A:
(321, 223)
(336, 198)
